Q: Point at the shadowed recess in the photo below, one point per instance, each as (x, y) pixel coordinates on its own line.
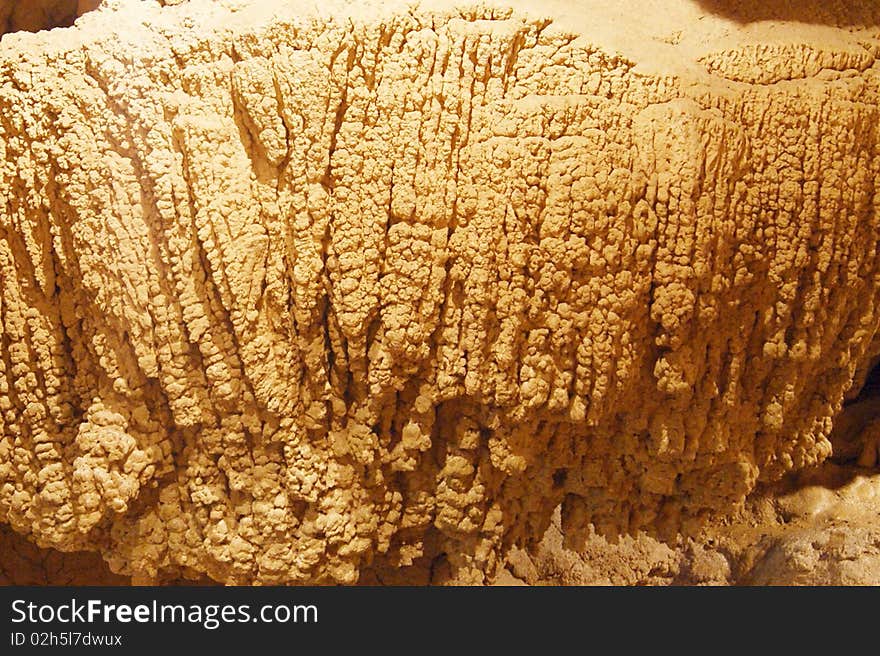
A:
(872, 384)
(842, 13)
(24, 563)
(36, 15)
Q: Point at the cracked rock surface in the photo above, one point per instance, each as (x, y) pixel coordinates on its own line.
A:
(315, 294)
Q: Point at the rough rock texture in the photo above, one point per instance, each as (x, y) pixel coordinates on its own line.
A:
(818, 528)
(312, 294)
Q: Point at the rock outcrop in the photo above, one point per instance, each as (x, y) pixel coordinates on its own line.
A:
(297, 293)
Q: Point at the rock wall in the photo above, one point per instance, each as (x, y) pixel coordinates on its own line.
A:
(298, 295)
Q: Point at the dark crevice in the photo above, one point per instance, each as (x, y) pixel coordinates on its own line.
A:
(842, 13)
(852, 438)
(871, 388)
(38, 15)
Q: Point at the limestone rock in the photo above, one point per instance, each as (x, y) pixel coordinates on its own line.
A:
(306, 292)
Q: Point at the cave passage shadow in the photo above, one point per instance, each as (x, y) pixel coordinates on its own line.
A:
(838, 13)
(33, 16)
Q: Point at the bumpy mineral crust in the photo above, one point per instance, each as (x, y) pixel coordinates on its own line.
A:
(303, 292)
